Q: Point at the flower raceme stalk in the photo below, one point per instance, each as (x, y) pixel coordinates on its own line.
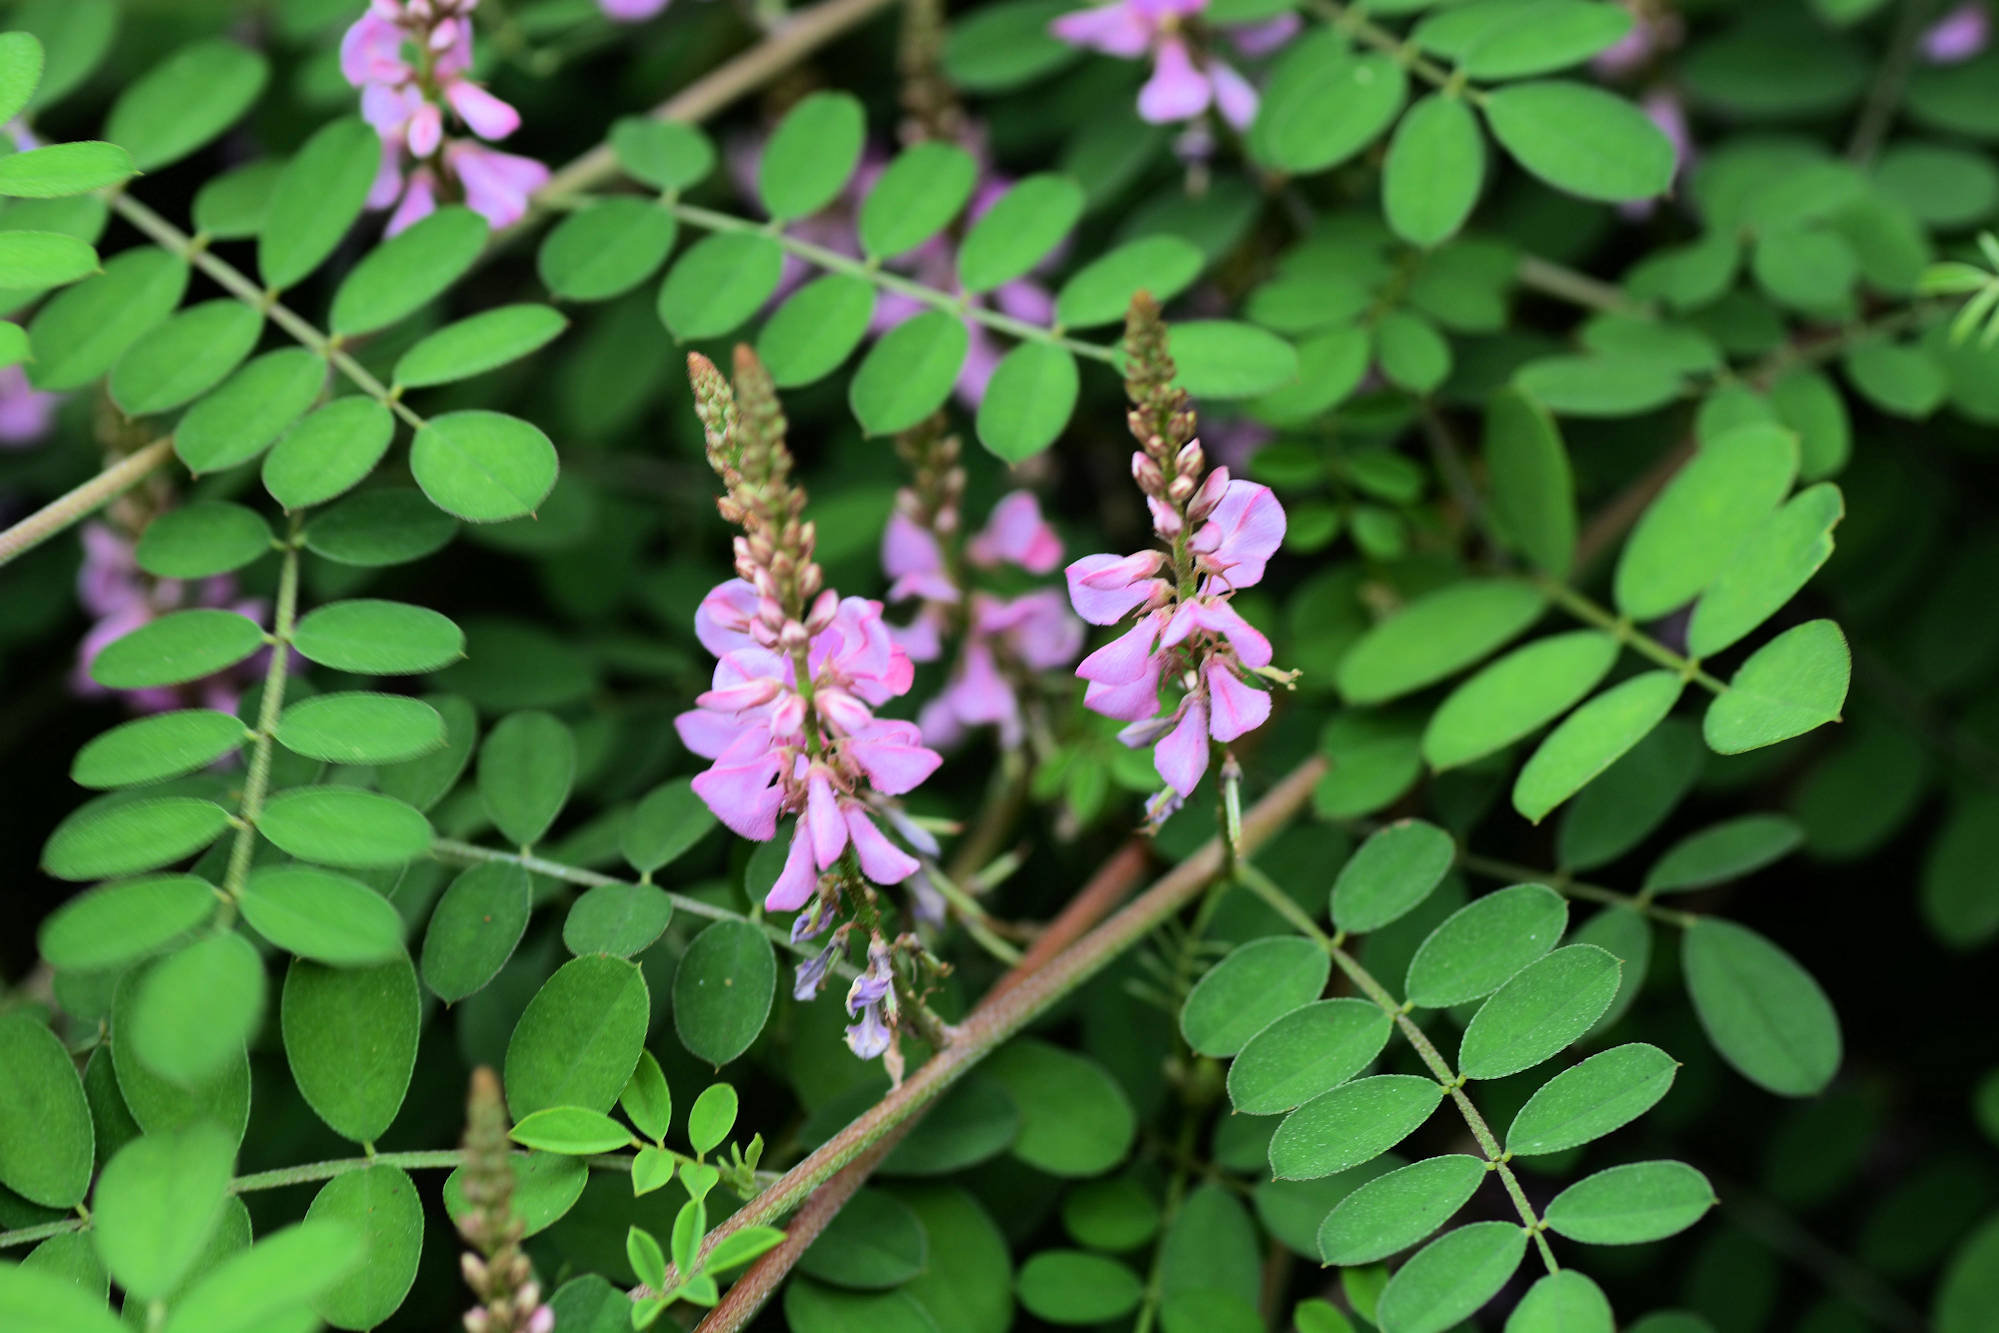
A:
(410, 58)
(495, 1268)
(789, 722)
(1217, 534)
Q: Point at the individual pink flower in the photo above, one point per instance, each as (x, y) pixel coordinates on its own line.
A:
(1958, 36)
(631, 11)
(1662, 106)
(1186, 79)
(26, 413)
(1655, 29)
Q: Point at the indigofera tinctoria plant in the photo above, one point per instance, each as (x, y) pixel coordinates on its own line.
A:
(1181, 666)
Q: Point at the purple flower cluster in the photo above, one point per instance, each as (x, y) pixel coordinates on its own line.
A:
(1188, 77)
(410, 58)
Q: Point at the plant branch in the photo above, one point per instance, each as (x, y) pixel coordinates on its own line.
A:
(1350, 20)
(1560, 882)
(1586, 610)
(1886, 93)
(257, 780)
(79, 503)
(1577, 288)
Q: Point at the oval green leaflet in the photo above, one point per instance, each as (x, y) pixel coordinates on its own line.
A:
(527, 766)
(1791, 685)
(474, 929)
(47, 1140)
(1591, 739)
(320, 915)
(1434, 169)
(1028, 400)
(84, 329)
(176, 648)
(1590, 1099)
(1310, 1050)
(668, 821)
(1075, 1118)
(356, 727)
(236, 422)
(1723, 852)
(1452, 1276)
(1564, 1302)
(44, 259)
(63, 169)
(316, 199)
(329, 452)
(1393, 871)
(607, 249)
(579, 1039)
(917, 196)
(719, 282)
(1628, 1205)
(664, 154)
(116, 924)
(908, 373)
(1478, 947)
(103, 841)
(1764, 1013)
(1547, 1005)
(810, 155)
(573, 1130)
(408, 270)
(203, 539)
(1077, 1287)
(1100, 292)
(1018, 231)
(1581, 140)
(816, 329)
(1354, 1123)
(1394, 1211)
(378, 638)
(344, 826)
(197, 1007)
(185, 101)
(722, 990)
(483, 467)
(379, 1205)
(350, 1036)
(479, 343)
(1256, 984)
(1325, 103)
(151, 749)
(1224, 358)
(1436, 636)
(1511, 697)
(156, 1205)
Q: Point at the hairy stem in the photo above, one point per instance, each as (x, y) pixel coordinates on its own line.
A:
(257, 779)
(1562, 883)
(75, 505)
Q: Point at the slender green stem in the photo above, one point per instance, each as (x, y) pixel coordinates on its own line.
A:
(257, 779)
(35, 1234)
(1176, 1193)
(453, 851)
(1587, 611)
(833, 261)
(973, 917)
(1577, 288)
(1252, 878)
(1886, 93)
(1349, 19)
(75, 505)
(1561, 882)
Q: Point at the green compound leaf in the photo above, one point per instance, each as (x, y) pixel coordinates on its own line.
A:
(1435, 166)
(356, 727)
(115, 924)
(203, 539)
(1690, 533)
(1310, 1050)
(197, 1008)
(607, 249)
(479, 343)
(1220, 358)
(1452, 1276)
(329, 452)
(235, 423)
(316, 199)
(185, 101)
(816, 329)
(389, 525)
(573, 1130)
(1627, 934)
(1564, 1302)
(1764, 1013)
(20, 70)
(1547, 1005)
(474, 929)
(47, 1141)
(63, 169)
(527, 767)
(1256, 984)
(874, 1243)
(175, 363)
(1354, 1123)
(1628, 1205)
(319, 915)
(1728, 850)
(1516, 695)
(1477, 948)
(1028, 401)
(1436, 636)
(1076, 1287)
(1325, 103)
(150, 749)
(1592, 738)
(917, 196)
(1075, 1119)
(718, 283)
(722, 991)
(1394, 1211)
(350, 1038)
(84, 329)
(1543, 37)
(101, 842)
(1588, 1100)
(268, 1282)
(157, 1203)
(646, 1099)
(345, 826)
(617, 919)
(404, 273)
(1533, 488)
(908, 373)
(1100, 291)
(1581, 140)
(176, 648)
(1412, 354)
(1791, 685)
(379, 1205)
(1394, 870)
(1018, 231)
(483, 467)
(1633, 796)
(711, 1117)
(46, 1302)
(44, 259)
(665, 824)
(580, 1037)
(377, 638)
(809, 157)
(1768, 570)
(665, 154)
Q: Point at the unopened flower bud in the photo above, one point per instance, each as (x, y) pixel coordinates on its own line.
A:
(1180, 489)
(1190, 460)
(793, 636)
(478, 1321)
(474, 1270)
(824, 607)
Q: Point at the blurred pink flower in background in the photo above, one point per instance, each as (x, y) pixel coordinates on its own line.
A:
(1655, 30)
(1186, 79)
(25, 413)
(631, 11)
(1959, 35)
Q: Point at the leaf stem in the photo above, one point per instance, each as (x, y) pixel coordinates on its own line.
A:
(80, 502)
(1350, 20)
(1589, 612)
(1561, 882)
(257, 780)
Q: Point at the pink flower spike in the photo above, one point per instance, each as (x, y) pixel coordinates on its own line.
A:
(1133, 701)
(1234, 97)
(1239, 708)
(1245, 530)
(881, 860)
(822, 818)
(797, 882)
(497, 185)
(1116, 29)
(388, 186)
(369, 42)
(743, 795)
(426, 129)
(1017, 533)
(484, 114)
(909, 548)
(1104, 589)
(722, 621)
(631, 11)
(1959, 35)
(1123, 659)
(1256, 40)
(1177, 90)
(1183, 756)
(419, 202)
(893, 756)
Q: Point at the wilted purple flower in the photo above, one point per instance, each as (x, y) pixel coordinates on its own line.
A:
(1959, 35)
(1187, 78)
(871, 1003)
